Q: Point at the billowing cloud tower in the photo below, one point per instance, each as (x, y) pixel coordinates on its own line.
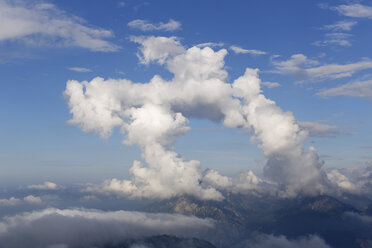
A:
(152, 115)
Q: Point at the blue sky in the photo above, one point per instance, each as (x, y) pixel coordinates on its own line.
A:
(316, 52)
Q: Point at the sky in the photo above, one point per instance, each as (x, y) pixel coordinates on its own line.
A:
(313, 57)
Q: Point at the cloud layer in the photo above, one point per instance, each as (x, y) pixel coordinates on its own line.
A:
(88, 228)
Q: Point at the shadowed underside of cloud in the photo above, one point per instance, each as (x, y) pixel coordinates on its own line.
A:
(43, 24)
(154, 114)
(90, 228)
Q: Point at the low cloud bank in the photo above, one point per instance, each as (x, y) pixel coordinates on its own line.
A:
(271, 241)
(88, 228)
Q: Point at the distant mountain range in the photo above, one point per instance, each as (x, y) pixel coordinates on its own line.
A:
(240, 217)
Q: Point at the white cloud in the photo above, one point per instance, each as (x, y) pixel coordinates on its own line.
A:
(12, 201)
(360, 217)
(303, 68)
(79, 69)
(52, 227)
(157, 48)
(355, 179)
(32, 199)
(271, 241)
(353, 89)
(144, 25)
(341, 26)
(342, 182)
(319, 129)
(270, 84)
(239, 50)
(45, 185)
(44, 24)
(339, 39)
(355, 10)
(210, 44)
(153, 115)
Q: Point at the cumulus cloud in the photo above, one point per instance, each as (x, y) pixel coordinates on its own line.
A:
(270, 241)
(157, 48)
(357, 180)
(302, 68)
(65, 228)
(12, 201)
(79, 69)
(354, 10)
(45, 185)
(152, 115)
(342, 182)
(239, 50)
(32, 199)
(44, 24)
(144, 25)
(354, 89)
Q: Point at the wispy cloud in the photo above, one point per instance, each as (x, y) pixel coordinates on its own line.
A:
(210, 44)
(270, 84)
(353, 89)
(79, 69)
(339, 39)
(144, 25)
(303, 68)
(319, 129)
(239, 50)
(43, 24)
(341, 26)
(354, 10)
